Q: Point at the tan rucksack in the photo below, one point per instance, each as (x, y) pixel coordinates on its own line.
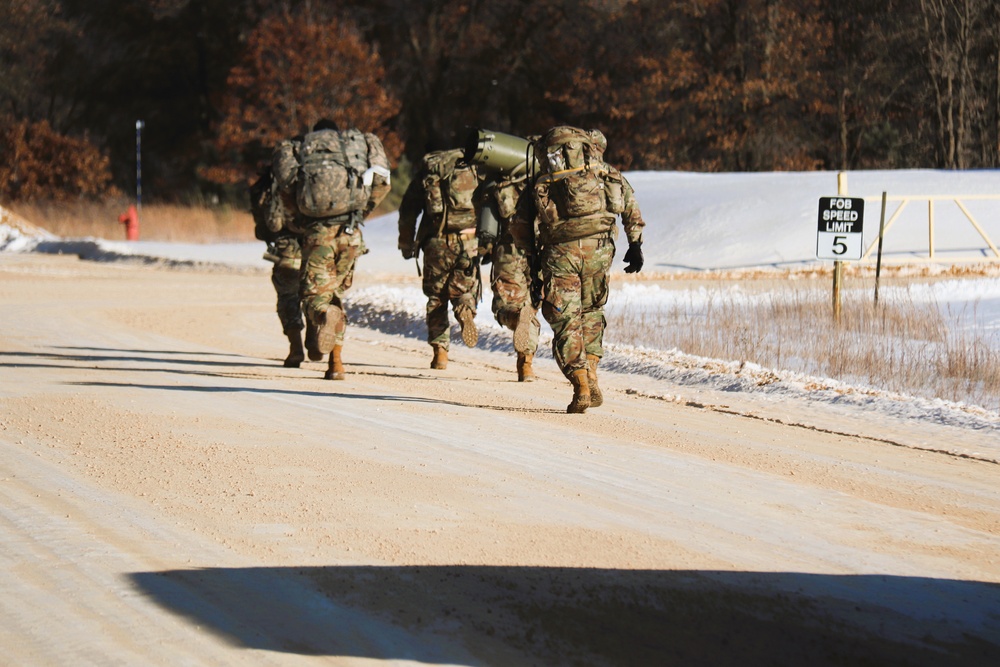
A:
(577, 193)
(332, 172)
(330, 167)
(449, 185)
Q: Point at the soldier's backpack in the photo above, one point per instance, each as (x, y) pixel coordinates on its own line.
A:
(449, 185)
(285, 163)
(261, 206)
(577, 193)
(331, 178)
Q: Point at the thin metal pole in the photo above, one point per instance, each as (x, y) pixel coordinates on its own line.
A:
(838, 277)
(878, 260)
(138, 165)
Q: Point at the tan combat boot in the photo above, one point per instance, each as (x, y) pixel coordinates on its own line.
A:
(524, 370)
(581, 392)
(596, 397)
(335, 371)
(440, 361)
(296, 355)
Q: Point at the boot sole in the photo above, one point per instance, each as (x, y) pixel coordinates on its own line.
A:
(522, 333)
(470, 335)
(326, 333)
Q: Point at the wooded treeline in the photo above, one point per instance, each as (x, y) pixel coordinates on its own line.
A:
(707, 85)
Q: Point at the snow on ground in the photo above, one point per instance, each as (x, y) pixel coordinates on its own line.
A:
(695, 222)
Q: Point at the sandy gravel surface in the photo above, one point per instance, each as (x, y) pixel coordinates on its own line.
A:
(170, 494)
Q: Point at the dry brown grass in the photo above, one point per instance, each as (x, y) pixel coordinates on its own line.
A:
(900, 346)
(157, 222)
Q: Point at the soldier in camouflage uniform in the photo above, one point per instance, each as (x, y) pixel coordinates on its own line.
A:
(286, 253)
(573, 208)
(330, 252)
(331, 246)
(510, 275)
(271, 225)
(442, 195)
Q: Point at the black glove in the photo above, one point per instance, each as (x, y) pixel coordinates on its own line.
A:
(633, 257)
(407, 252)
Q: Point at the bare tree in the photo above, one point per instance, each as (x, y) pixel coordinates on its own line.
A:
(951, 32)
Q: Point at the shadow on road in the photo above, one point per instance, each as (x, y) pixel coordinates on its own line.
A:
(314, 394)
(131, 356)
(553, 616)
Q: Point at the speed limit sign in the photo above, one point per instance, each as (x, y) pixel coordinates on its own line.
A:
(841, 222)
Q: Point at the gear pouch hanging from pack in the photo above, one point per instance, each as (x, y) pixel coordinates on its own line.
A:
(614, 190)
(461, 185)
(579, 193)
(285, 164)
(434, 197)
(548, 211)
(506, 199)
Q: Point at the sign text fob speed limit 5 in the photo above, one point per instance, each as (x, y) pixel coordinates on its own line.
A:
(841, 222)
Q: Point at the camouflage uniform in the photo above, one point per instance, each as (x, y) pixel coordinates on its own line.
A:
(575, 279)
(330, 251)
(510, 276)
(575, 286)
(574, 256)
(450, 276)
(271, 224)
(450, 267)
(330, 245)
(287, 257)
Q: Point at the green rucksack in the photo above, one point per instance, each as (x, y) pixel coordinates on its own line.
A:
(577, 193)
(449, 185)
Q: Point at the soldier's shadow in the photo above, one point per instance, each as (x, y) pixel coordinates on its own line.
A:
(345, 396)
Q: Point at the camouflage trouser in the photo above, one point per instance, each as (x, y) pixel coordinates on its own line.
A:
(575, 275)
(449, 276)
(511, 281)
(285, 278)
(328, 258)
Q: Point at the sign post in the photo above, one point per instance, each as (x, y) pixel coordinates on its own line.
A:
(839, 236)
(881, 235)
(138, 164)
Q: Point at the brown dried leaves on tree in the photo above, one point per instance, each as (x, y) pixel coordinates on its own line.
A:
(40, 163)
(294, 72)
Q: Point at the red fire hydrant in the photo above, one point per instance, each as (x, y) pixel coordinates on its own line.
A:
(130, 219)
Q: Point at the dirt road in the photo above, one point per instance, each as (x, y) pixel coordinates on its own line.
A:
(170, 494)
